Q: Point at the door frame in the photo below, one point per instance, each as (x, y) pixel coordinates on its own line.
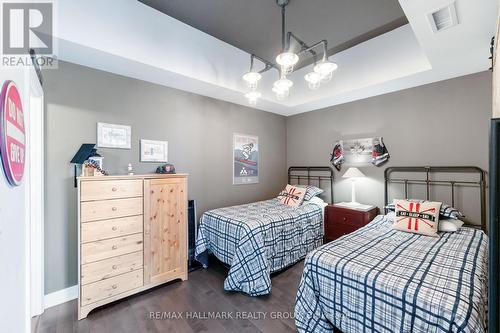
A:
(35, 208)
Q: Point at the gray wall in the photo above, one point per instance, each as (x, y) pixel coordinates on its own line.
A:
(198, 129)
(445, 123)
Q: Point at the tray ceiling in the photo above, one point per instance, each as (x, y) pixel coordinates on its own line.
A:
(136, 40)
(255, 26)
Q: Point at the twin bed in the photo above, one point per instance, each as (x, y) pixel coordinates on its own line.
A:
(376, 279)
(261, 238)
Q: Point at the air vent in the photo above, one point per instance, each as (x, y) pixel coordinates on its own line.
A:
(443, 18)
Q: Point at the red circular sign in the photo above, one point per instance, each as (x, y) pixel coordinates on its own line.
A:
(12, 133)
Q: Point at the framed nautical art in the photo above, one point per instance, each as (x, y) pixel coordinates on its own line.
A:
(114, 136)
(154, 151)
(245, 159)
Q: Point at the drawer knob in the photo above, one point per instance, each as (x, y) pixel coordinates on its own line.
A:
(345, 218)
(114, 247)
(114, 286)
(114, 209)
(114, 189)
(114, 267)
(114, 228)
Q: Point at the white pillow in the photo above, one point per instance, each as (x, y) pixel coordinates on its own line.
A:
(318, 202)
(450, 225)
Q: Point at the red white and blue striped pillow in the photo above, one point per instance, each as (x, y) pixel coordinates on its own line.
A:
(292, 195)
(446, 211)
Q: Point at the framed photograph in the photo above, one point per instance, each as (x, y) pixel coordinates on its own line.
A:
(245, 159)
(114, 136)
(154, 151)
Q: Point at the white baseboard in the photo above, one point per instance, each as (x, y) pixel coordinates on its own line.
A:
(60, 296)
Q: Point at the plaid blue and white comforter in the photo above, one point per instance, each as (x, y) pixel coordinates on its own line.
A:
(381, 280)
(258, 239)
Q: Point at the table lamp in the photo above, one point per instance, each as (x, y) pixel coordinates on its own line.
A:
(353, 174)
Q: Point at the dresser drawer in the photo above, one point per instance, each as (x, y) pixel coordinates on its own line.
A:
(109, 209)
(108, 268)
(99, 230)
(340, 230)
(110, 189)
(97, 291)
(348, 218)
(340, 221)
(109, 248)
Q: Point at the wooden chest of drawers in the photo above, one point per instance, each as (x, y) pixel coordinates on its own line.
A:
(340, 221)
(132, 236)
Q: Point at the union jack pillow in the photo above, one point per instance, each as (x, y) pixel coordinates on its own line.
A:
(445, 212)
(417, 217)
(292, 195)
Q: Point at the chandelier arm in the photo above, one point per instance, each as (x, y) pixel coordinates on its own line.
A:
(312, 47)
(325, 50)
(303, 46)
(268, 65)
(251, 62)
(283, 29)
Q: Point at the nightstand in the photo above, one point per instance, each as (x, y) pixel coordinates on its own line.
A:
(340, 221)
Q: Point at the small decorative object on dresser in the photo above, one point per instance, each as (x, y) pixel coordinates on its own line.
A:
(340, 221)
(166, 169)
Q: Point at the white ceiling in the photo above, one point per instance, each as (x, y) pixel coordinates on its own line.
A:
(135, 40)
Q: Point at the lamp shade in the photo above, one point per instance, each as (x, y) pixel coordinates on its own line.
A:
(353, 173)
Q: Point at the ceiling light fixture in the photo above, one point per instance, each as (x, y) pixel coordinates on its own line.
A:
(281, 94)
(252, 79)
(313, 80)
(252, 97)
(287, 61)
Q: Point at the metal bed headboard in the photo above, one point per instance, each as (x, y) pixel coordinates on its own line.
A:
(319, 174)
(481, 183)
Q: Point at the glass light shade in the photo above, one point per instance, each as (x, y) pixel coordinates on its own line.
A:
(281, 94)
(327, 77)
(313, 80)
(287, 60)
(252, 97)
(283, 84)
(325, 67)
(252, 79)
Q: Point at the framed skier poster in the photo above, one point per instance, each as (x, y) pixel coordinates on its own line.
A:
(245, 159)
